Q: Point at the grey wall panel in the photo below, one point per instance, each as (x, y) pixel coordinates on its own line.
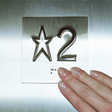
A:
(101, 36)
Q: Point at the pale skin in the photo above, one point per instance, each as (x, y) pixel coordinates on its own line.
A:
(87, 93)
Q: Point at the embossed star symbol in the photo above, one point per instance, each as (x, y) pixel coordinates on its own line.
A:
(42, 45)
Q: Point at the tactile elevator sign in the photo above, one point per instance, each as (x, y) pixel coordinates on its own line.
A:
(52, 42)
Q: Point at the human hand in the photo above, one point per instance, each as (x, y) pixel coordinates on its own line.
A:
(87, 93)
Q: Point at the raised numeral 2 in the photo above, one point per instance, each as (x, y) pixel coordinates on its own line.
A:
(69, 35)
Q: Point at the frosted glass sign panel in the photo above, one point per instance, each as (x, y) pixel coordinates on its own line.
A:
(52, 42)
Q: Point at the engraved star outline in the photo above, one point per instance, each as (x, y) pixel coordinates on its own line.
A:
(42, 50)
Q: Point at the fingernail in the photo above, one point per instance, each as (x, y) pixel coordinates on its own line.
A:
(75, 71)
(62, 85)
(62, 71)
(93, 73)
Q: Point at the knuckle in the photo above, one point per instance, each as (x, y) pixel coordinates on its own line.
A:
(69, 92)
(98, 87)
(85, 92)
(80, 104)
(84, 77)
(69, 79)
(104, 78)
